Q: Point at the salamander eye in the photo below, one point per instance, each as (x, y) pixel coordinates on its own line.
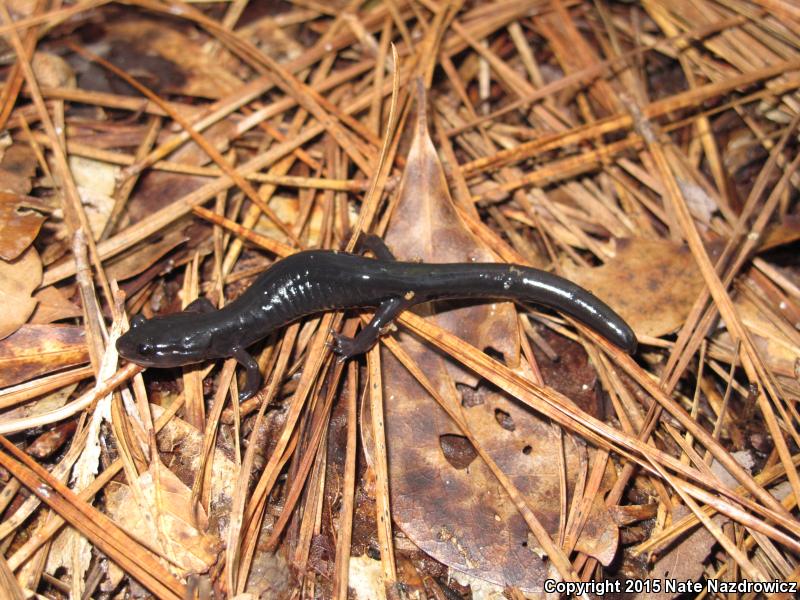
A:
(137, 320)
(145, 349)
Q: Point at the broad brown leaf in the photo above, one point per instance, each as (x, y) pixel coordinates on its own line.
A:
(651, 283)
(53, 305)
(445, 499)
(17, 168)
(176, 61)
(19, 224)
(18, 279)
(425, 226)
(37, 349)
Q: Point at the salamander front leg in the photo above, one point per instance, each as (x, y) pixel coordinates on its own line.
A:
(347, 347)
(252, 380)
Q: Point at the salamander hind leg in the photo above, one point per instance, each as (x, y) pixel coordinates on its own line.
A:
(347, 347)
(252, 381)
(371, 242)
(200, 306)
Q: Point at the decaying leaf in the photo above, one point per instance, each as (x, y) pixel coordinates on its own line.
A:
(651, 283)
(445, 499)
(38, 349)
(19, 224)
(18, 279)
(455, 510)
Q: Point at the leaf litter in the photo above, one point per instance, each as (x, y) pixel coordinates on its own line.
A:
(645, 150)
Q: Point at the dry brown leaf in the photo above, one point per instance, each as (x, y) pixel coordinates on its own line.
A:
(683, 561)
(19, 224)
(38, 349)
(651, 283)
(425, 226)
(52, 71)
(53, 305)
(185, 67)
(17, 168)
(180, 447)
(18, 279)
(445, 499)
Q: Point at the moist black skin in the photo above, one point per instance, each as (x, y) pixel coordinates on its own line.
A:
(321, 280)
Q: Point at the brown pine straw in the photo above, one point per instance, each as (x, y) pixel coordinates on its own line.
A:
(97, 527)
(504, 161)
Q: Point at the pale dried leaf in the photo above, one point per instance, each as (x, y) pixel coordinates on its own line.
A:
(18, 279)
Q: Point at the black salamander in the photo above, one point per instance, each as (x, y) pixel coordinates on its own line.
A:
(313, 281)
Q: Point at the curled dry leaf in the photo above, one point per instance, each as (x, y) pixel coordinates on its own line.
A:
(651, 283)
(169, 501)
(96, 181)
(444, 498)
(38, 349)
(52, 71)
(18, 279)
(180, 447)
(779, 351)
(19, 224)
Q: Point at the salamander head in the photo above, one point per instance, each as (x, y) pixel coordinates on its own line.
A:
(170, 341)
